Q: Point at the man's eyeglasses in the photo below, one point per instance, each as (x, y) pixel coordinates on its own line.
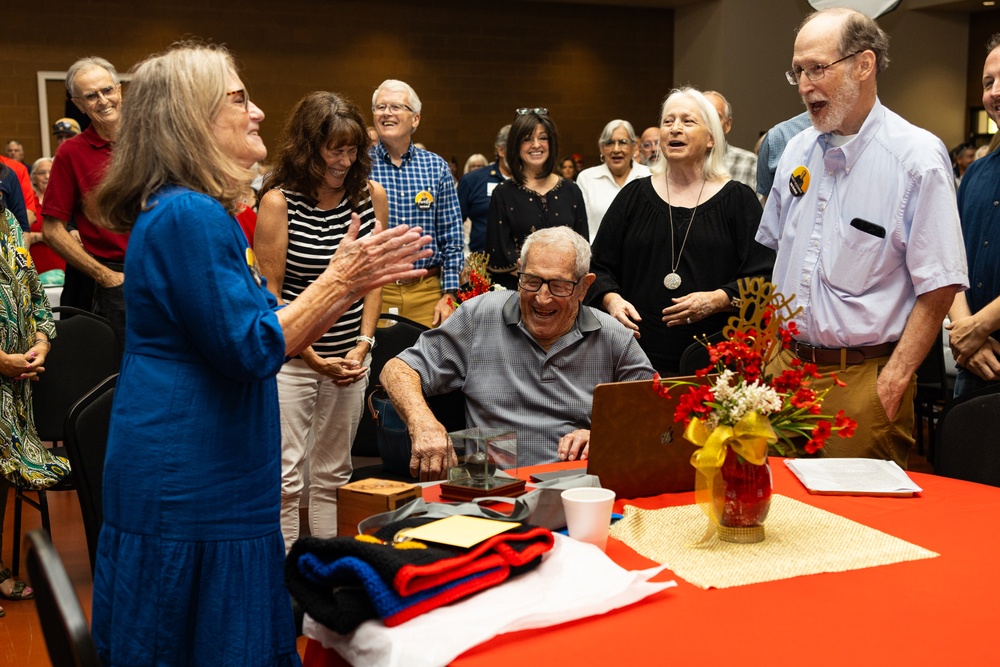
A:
(612, 143)
(648, 144)
(530, 283)
(814, 72)
(240, 98)
(538, 111)
(392, 108)
(104, 92)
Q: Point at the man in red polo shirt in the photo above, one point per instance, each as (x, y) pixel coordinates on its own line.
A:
(77, 168)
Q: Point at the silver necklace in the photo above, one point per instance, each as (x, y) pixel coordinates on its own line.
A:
(673, 280)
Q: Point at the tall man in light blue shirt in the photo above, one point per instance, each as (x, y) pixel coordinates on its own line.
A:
(862, 213)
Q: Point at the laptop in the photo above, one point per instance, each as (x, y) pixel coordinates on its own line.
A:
(636, 447)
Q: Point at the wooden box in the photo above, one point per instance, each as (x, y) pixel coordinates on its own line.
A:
(366, 497)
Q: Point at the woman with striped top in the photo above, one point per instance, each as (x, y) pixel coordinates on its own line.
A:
(319, 182)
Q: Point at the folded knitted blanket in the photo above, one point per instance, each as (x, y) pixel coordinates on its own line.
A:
(343, 581)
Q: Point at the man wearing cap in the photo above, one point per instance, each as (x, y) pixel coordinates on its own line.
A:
(78, 167)
(864, 218)
(63, 129)
(421, 193)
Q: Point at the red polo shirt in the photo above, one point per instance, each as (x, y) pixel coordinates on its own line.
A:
(78, 168)
(30, 201)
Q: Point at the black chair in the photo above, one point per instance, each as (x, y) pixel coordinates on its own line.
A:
(695, 356)
(389, 341)
(966, 443)
(64, 625)
(932, 393)
(83, 354)
(87, 427)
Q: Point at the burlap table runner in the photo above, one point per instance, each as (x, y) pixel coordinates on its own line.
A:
(801, 539)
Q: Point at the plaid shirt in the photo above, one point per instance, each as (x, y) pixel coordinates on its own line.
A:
(424, 173)
(742, 166)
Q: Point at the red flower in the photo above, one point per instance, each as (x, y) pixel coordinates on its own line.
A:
(803, 398)
(837, 381)
(693, 404)
(845, 425)
(822, 430)
(814, 446)
(660, 388)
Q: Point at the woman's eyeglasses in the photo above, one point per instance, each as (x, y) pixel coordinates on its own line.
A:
(538, 111)
(240, 98)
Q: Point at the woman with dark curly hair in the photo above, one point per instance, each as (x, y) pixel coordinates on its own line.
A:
(536, 197)
(320, 178)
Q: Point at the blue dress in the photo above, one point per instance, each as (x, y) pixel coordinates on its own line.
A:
(189, 563)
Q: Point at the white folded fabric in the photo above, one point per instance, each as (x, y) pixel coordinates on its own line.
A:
(575, 580)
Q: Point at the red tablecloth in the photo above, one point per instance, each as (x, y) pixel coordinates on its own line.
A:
(927, 612)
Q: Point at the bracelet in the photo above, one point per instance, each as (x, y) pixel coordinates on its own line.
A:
(42, 340)
(366, 339)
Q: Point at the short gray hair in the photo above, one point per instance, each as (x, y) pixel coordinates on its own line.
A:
(858, 33)
(563, 238)
(727, 107)
(502, 136)
(610, 128)
(85, 64)
(715, 165)
(993, 42)
(397, 86)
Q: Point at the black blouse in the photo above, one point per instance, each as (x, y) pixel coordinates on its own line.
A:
(632, 254)
(516, 212)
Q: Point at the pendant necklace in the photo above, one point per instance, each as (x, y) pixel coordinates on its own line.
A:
(673, 280)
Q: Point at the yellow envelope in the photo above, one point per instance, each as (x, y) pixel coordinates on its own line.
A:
(460, 531)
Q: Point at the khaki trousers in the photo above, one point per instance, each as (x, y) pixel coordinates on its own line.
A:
(876, 436)
(415, 301)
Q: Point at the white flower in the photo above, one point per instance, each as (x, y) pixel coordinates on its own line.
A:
(736, 400)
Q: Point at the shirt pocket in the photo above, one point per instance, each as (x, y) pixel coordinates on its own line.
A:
(852, 260)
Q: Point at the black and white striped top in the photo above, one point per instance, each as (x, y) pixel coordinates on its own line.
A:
(313, 238)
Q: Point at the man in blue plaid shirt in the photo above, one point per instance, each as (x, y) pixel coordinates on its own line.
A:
(421, 193)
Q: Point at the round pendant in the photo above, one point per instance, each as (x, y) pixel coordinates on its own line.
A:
(672, 281)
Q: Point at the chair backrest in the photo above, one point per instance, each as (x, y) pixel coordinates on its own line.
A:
(84, 352)
(389, 341)
(695, 356)
(932, 379)
(966, 441)
(64, 625)
(87, 426)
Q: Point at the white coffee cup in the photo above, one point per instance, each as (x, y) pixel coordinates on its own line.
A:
(588, 514)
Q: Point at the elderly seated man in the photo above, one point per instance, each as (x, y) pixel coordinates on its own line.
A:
(528, 359)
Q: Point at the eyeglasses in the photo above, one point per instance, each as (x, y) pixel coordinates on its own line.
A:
(240, 98)
(393, 108)
(648, 144)
(814, 72)
(530, 283)
(538, 111)
(612, 143)
(92, 97)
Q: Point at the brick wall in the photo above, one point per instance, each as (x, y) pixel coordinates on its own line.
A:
(471, 63)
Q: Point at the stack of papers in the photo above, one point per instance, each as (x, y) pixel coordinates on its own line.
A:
(852, 477)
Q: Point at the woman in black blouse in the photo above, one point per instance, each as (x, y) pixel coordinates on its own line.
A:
(672, 246)
(535, 198)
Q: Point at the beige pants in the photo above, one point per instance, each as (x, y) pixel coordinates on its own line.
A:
(415, 301)
(876, 436)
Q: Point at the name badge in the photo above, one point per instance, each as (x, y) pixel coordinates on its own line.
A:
(799, 181)
(252, 263)
(423, 200)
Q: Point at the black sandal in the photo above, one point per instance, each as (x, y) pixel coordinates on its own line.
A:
(17, 593)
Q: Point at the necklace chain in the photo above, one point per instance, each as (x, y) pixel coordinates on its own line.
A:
(670, 211)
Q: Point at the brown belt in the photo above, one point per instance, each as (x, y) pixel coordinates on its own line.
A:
(431, 271)
(850, 356)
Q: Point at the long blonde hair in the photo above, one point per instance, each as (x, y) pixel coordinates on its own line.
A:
(166, 135)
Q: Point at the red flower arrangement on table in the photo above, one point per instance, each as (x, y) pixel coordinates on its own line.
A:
(476, 278)
(746, 403)
(734, 419)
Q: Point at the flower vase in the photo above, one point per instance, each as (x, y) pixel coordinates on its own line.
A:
(742, 498)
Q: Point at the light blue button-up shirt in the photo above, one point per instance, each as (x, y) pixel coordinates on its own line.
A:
(857, 288)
